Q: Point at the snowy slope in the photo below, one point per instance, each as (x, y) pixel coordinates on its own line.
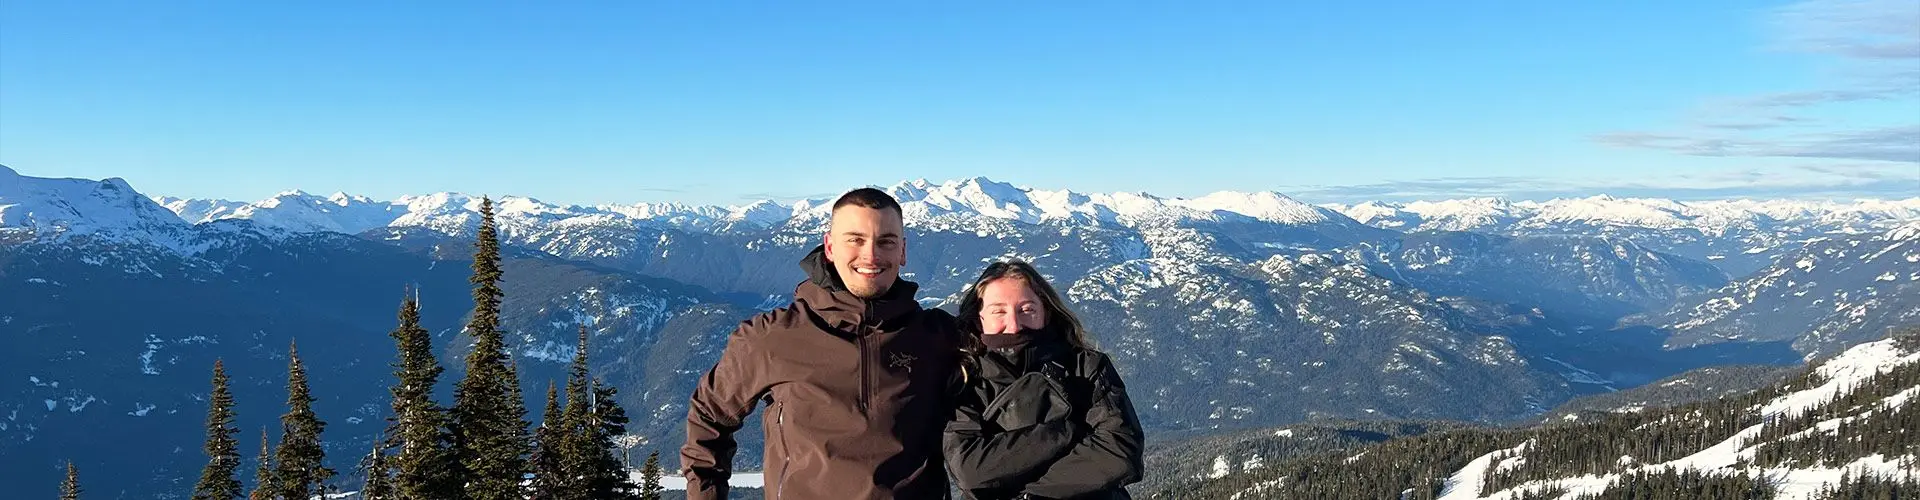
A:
(1463, 215)
(1841, 374)
(36, 208)
(1828, 295)
(292, 210)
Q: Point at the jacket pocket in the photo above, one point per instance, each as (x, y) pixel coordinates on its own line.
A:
(1028, 401)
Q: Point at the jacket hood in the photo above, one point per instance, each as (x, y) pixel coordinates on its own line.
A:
(820, 271)
(826, 295)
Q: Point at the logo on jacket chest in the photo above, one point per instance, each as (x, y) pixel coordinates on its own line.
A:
(901, 361)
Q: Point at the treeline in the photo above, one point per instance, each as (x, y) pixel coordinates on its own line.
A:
(1863, 424)
(1418, 467)
(1414, 468)
(480, 448)
(1668, 484)
(1178, 464)
(1699, 384)
(1625, 439)
(1873, 487)
(1620, 441)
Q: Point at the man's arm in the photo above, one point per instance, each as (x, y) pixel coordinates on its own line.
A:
(721, 401)
(1109, 456)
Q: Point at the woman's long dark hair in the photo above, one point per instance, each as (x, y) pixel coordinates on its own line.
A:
(1059, 317)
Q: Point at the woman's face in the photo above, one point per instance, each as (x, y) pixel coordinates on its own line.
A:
(1009, 305)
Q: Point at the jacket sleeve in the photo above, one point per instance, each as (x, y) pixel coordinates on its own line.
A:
(982, 456)
(721, 402)
(1110, 456)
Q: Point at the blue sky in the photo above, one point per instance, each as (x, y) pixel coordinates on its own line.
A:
(723, 102)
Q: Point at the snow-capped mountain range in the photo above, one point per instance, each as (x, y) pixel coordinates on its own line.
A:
(925, 201)
(1230, 310)
(922, 202)
(1740, 236)
(1716, 217)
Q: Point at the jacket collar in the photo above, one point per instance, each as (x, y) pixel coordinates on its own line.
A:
(826, 296)
(1027, 357)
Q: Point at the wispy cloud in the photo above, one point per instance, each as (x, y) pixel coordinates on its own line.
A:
(783, 197)
(1868, 91)
(1762, 123)
(1826, 180)
(1874, 44)
(1858, 29)
(1896, 144)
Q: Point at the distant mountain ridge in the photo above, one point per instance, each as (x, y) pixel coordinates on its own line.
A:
(1228, 311)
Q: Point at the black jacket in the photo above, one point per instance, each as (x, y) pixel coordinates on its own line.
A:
(1047, 420)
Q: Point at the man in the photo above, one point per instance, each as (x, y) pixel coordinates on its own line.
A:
(854, 374)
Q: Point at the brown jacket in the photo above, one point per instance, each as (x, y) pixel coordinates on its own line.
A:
(856, 394)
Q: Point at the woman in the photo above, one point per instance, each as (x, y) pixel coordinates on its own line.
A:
(1042, 414)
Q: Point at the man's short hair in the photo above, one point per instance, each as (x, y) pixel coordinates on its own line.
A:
(869, 198)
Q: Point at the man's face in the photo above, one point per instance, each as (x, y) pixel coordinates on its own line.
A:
(867, 248)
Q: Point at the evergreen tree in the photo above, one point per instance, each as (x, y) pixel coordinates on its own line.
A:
(263, 473)
(424, 468)
(548, 479)
(650, 478)
(577, 378)
(593, 421)
(301, 471)
(379, 483)
(489, 420)
(70, 489)
(223, 450)
(576, 444)
(607, 477)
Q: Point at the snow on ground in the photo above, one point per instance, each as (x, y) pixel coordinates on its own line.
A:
(1220, 468)
(670, 482)
(1258, 490)
(1804, 484)
(1467, 483)
(675, 482)
(1842, 373)
(1845, 371)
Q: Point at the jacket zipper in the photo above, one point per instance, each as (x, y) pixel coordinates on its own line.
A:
(863, 375)
(860, 336)
(786, 455)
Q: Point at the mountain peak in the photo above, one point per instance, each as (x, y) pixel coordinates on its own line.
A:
(914, 190)
(989, 187)
(980, 180)
(59, 207)
(761, 213)
(1608, 210)
(1263, 205)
